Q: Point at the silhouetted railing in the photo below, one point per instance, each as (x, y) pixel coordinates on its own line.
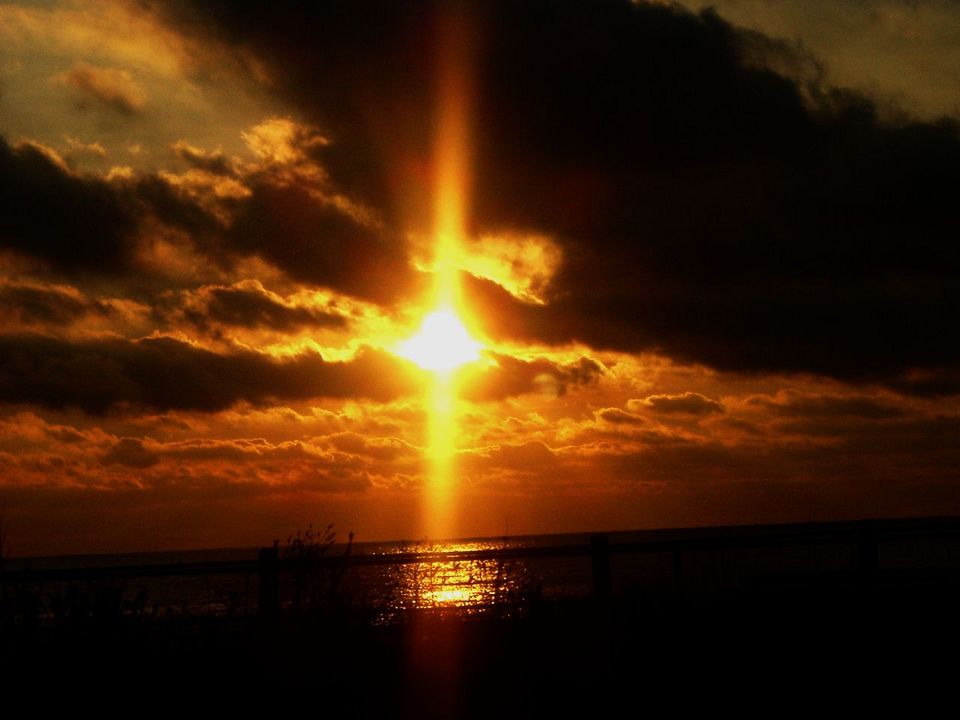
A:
(862, 539)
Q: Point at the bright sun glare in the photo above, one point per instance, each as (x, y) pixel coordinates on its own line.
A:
(442, 344)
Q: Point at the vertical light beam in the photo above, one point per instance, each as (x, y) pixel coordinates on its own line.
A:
(451, 160)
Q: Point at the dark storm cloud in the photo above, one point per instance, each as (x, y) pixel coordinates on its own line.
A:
(364, 72)
(253, 307)
(74, 223)
(708, 207)
(818, 407)
(688, 403)
(510, 376)
(212, 162)
(835, 416)
(82, 223)
(929, 382)
(132, 453)
(174, 208)
(384, 449)
(711, 212)
(166, 374)
(619, 417)
(292, 225)
(47, 304)
(317, 242)
(529, 456)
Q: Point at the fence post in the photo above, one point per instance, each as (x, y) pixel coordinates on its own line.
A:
(677, 569)
(868, 556)
(600, 556)
(268, 573)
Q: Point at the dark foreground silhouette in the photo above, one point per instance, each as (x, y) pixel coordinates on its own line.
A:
(864, 636)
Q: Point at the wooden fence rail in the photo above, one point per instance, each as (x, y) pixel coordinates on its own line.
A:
(865, 536)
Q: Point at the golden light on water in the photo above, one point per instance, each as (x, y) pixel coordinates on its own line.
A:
(456, 596)
(469, 586)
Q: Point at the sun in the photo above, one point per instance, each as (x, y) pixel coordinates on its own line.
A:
(442, 344)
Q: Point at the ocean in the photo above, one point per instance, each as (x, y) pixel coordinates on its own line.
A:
(466, 585)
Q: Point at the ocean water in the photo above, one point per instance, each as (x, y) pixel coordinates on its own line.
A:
(466, 586)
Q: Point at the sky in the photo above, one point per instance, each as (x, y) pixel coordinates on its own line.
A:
(437, 269)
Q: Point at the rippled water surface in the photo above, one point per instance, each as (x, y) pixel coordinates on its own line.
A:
(463, 585)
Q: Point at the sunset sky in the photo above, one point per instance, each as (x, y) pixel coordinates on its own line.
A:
(692, 266)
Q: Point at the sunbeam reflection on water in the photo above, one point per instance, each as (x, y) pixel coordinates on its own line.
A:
(459, 586)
